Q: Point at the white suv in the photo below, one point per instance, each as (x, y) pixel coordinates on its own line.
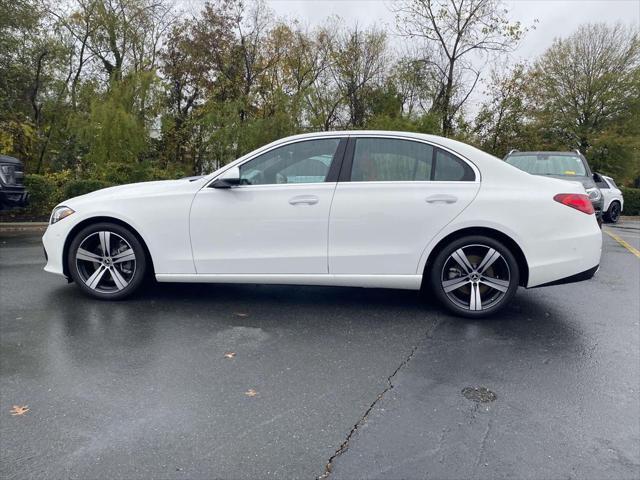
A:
(613, 200)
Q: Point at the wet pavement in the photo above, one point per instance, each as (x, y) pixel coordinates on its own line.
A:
(381, 384)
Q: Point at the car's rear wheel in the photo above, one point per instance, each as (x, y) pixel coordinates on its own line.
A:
(107, 261)
(474, 276)
(612, 215)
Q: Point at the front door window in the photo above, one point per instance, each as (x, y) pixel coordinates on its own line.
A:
(300, 162)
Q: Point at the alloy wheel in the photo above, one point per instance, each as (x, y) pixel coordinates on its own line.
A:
(614, 212)
(105, 262)
(475, 277)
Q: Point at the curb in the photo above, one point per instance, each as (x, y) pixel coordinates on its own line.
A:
(22, 226)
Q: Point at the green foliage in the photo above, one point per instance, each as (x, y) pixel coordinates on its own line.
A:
(98, 92)
(120, 173)
(428, 123)
(583, 84)
(49, 189)
(631, 200)
(42, 193)
(76, 188)
(115, 131)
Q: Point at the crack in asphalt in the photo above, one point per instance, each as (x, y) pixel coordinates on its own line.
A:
(344, 446)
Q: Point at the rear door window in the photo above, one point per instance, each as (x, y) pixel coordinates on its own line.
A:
(391, 160)
(399, 160)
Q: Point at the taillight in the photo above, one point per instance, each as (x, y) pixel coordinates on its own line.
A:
(579, 201)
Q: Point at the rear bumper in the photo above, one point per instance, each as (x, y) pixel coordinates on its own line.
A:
(553, 260)
(578, 277)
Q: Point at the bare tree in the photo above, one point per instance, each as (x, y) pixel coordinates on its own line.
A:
(456, 31)
(359, 61)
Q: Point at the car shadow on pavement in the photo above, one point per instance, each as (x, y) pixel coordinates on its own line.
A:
(532, 323)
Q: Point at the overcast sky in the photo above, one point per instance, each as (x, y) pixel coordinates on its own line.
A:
(556, 18)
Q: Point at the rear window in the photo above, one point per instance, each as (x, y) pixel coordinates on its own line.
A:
(548, 164)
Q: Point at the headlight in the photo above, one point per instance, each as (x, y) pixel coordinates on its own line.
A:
(59, 213)
(7, 174)
(594, 194)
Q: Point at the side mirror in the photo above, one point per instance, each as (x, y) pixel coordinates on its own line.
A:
(228, 179)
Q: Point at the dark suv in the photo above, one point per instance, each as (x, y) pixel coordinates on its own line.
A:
(12, 191)
(564, 165)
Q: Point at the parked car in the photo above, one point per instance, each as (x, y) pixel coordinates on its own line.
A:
(12, 190)
(612, 198)
(359, 208)
(564, 165)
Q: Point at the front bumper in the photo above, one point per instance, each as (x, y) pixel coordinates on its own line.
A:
(12, 197)
(53, 242)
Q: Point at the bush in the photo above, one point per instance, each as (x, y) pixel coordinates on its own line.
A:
(631, 200)
(42, 194)
(76, 188)
(121, 173)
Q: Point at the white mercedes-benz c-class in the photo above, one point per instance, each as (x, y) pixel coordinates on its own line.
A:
(357, 208)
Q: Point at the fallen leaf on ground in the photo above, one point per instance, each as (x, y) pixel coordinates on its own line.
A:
(19, 410)
(251, 393)
(240, 314)
(230, 354)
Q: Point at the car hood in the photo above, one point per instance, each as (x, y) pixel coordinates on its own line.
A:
(586, 182)
(6, 159)
(133, 190)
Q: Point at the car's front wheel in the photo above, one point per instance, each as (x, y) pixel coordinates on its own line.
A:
(474, 276)
(107, 261)
(612, 215)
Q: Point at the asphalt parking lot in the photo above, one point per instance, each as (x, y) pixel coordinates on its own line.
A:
(334, 382)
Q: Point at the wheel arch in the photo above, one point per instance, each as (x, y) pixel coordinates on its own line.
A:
(523, 266)
(92, 220)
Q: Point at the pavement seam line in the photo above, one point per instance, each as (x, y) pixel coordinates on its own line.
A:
(344, 446)
(622, 242)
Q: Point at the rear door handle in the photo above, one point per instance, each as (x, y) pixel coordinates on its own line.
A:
(441, 199)
(304, 200)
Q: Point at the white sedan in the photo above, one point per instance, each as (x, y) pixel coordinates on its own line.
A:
(358, 208)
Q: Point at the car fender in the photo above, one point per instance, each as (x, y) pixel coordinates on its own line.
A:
(457, 226)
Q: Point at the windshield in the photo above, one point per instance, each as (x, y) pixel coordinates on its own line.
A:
(548, 164)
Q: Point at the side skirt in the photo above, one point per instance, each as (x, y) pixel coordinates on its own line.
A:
(403, 282)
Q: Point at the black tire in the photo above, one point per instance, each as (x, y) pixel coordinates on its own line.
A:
(612, 215)
(120, 277)
(503, 273)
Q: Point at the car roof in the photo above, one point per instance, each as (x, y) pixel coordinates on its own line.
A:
(544, 152)
(461, 148)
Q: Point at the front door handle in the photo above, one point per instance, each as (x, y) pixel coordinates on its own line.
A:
(441, 199)
(304, 200)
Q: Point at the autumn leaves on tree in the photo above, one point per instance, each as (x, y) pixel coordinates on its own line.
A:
(127, 90)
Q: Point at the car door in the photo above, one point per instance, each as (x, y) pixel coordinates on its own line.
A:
(275, 221)
(394, 196)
